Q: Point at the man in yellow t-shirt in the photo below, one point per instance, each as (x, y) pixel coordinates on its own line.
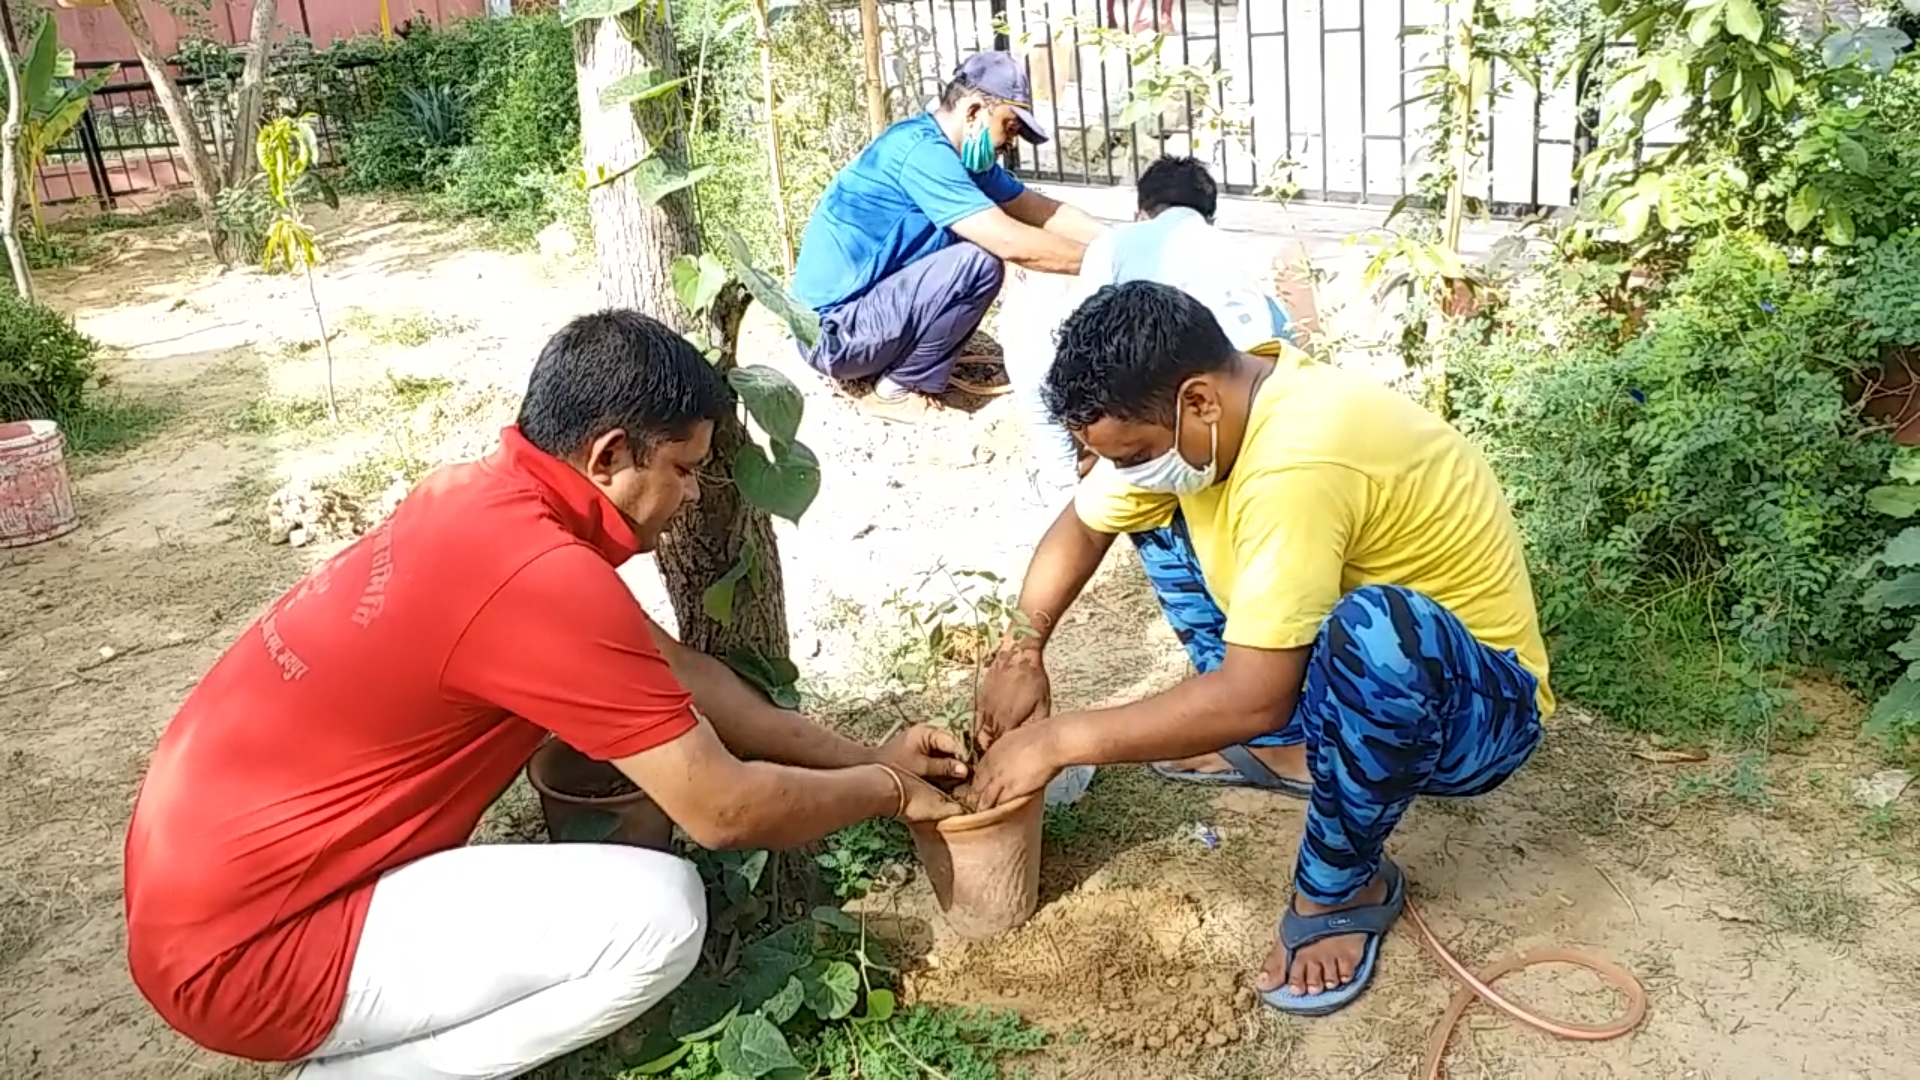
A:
(1346, 575)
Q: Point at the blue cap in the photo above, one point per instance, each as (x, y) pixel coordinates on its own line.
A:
(1002, 75)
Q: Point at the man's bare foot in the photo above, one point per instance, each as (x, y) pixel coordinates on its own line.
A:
(1326, 964)
(1290, 762)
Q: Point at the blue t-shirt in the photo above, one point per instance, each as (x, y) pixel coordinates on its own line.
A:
(893, 205)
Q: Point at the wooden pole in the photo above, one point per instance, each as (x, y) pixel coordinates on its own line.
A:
(763, 28)
(10, 170)
(878, 115)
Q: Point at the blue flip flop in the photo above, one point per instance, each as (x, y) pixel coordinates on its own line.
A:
(1297, 931)
(1248, 771)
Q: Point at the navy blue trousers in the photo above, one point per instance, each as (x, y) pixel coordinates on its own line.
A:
(1399, 700)
(910, 327)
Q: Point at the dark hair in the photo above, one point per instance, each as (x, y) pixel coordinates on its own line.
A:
(619, 369)
(1125, 352)
(1178, 181)
(952, 94)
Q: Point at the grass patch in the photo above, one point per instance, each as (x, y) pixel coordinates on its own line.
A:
(1667, 667)
(412, 391)
(367, 478)
(1801, 902)
(406, 329)
(1743, 781)
(274, 415)
(111, 422)
(1125, 805)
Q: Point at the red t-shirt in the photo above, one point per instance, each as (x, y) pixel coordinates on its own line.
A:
(368, 719)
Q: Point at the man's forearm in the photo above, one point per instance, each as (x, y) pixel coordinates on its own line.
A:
(1197, 716)
(1045, 251)
(784, 807)
(1067, 558)
(752, 727)
(1074, 224)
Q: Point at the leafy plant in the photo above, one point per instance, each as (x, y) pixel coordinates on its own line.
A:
(966, 624)
(54, 102)
(287, 149)
(1896, 716)
(45, 362)
(857, 857)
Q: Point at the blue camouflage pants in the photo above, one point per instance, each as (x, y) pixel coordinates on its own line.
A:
(1399, 700)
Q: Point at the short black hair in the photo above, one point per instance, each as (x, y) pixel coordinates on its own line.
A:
(1178, 181)
(952, 94)
(619, 369)
(1126, 350)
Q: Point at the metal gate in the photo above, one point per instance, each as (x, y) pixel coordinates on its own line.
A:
(1298, 97)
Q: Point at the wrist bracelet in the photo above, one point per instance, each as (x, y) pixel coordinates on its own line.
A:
(899, 789)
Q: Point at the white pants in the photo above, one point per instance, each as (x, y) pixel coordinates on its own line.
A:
(487, 961)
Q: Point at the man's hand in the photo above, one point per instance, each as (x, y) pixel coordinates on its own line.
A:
(926, 803)
(1022, 762)
(925, 752)
(1014, 692)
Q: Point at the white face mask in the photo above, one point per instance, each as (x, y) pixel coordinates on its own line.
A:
(1170, 474)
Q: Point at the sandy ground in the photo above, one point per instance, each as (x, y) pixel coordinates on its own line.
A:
(1772, 919)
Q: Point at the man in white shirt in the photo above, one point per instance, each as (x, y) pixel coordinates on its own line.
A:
(1173, 242)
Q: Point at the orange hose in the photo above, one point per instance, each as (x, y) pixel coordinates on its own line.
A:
(1479, 985)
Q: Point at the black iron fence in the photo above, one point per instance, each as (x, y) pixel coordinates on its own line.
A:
(123, 148)
(1315, 98)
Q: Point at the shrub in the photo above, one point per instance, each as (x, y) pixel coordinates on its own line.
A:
(1708, 462)
(481, 114)
(45, 363)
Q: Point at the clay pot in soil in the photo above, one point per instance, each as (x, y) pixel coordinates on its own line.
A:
(1892, 394)
(584, 800)
(985, 867)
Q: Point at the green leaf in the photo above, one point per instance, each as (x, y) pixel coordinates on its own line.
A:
(1802, 207)
(774, 677)
(637, 86)
(784, 485)
(1898, 594)
(1906, 465)
(1853, 156)
(655, 179)
(1704, 26)
(577, 11)
(1908, 648)
(1635, 213)
(1897, 714)
(665, 1061)
(835, 919)
(880, 1005)
(697, 280)
(771, 399)
(1904, 549)
(833, 988)
(1839, 225)
(1743, 20)
(717, 600)
(1895, 500)
(748, 871)
(752, 1047)
(770, 294)
(781, 1006)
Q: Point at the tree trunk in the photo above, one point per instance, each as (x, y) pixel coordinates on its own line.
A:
(878, 115)
(246, 102)
(186, 133)
(10, 173)
(634, 247)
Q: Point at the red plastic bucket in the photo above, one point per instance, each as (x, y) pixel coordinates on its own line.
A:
(36, 498)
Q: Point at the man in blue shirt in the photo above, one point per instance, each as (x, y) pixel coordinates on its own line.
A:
(906, 249)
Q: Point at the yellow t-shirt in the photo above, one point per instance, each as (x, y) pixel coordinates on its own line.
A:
(1340, 483)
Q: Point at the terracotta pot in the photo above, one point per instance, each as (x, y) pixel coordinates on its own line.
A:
(1892, 395)
(559, 773)
(985, 867)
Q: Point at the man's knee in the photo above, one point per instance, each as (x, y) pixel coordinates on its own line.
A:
(982, 269)
(1380, 638)
(665, 924)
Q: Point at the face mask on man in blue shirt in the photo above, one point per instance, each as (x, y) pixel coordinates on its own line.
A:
(976, 152)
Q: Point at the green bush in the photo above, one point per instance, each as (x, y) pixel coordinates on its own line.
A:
(1703, 474)
(481, 115)
(45, 363)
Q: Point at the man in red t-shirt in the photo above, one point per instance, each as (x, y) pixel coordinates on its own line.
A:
(298, 882)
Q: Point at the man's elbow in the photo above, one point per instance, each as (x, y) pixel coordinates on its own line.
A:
(722, 828)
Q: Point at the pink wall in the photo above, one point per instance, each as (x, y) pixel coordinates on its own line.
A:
(97, 33)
